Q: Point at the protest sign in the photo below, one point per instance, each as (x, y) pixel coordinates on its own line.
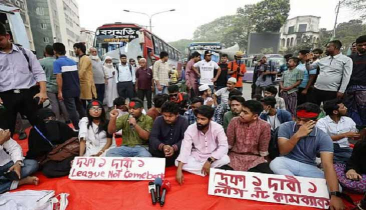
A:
(291, 190)
(117, 168)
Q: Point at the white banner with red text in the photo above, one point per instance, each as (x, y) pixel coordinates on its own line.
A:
(291, 190)
(117, 168)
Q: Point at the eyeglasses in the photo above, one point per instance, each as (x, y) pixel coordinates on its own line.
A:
(96, 109)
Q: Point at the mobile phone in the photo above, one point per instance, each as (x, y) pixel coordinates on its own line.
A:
(11, 175)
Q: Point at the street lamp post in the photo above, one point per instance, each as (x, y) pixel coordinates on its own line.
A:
(149, 16)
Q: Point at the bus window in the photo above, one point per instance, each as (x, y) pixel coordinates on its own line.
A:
(156, 46)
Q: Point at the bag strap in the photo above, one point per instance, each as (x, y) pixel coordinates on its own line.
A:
(40, 133)
(26, 57)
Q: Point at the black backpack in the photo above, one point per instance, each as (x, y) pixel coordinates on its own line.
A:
(273, 149)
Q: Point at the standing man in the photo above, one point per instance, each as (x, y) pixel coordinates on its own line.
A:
(222, 79)
(161, 73)
(237, 70)
(144, 82)
(335, 73)
(52, 89)
(68, 83)
(264, 76)
(192, 75)
(125, 77)
(309, 76)
(20, 71)
(167, 133)
(99, 75)
(87, 85)
(206, 68)
(355, 99)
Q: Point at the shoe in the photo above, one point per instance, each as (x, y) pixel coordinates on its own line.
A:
(22, 135)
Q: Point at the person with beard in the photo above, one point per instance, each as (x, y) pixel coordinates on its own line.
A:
(340, 129)
(12, 161)
(299, 143)
(144, 82)
(248, 138)
(204, 146)
(111, 85)
(87, 85)
(206, 93)
(274, 116)
(99, 74)
(167, 133)
(136, 128)
(94, 138)
(56, 133)
(221, 109)
(236, 107)
(335, 73)
(192, 75)
(355, 98)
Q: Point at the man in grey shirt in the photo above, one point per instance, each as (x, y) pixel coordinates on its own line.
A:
(335, 73)
(98, 74)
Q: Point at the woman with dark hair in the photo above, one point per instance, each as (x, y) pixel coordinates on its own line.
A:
(46, 134)
(93, 135)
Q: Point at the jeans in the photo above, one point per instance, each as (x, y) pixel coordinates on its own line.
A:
(141, 94)
(100, 92)
(58, 106)
(124, 151)
(341, 155)
(73, 104)
(287, 166)
(164, 90)
(30, 167)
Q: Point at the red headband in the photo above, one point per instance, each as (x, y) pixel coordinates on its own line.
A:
(305, 114)
(95, 103)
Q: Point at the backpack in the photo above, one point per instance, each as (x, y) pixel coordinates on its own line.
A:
(273, 149)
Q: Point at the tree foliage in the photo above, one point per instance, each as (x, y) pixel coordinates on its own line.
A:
(358, 6)
(181, 45)
(269, 15)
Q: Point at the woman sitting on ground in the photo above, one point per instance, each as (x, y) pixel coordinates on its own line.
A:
(352, 175)
(47, 133)
(93, 135)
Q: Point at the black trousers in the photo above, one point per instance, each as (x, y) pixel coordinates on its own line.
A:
(18, 102)
(168, 161)
(323, 95)
(125, 89)
(100, 92)
(53, 169)
(262, 168)
(141, 94)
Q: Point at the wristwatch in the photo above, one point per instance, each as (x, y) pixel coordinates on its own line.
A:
(210, 160)
(336, 193)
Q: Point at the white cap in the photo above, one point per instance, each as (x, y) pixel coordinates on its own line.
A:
(203, 87)
(232, 80)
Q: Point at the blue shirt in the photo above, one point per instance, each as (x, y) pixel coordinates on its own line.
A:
(16, 72)
(70, 76)
(305, 80)
(307, 147)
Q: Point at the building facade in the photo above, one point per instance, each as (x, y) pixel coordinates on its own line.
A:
(300, 30)
(22, 5)
(87, 37)
(54, 21)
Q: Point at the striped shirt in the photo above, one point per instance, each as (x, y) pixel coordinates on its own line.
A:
(161, 72)
(70, 76)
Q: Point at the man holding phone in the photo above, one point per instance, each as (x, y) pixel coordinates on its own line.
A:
(299, 142)
(14, 171)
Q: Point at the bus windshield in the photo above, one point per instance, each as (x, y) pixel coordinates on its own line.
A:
(118, 40)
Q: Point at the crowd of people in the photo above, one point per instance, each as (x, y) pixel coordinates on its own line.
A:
(303, 128)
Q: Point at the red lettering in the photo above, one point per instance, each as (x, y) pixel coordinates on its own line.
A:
(314, 189)
(141, 163)
(259, 193)
(100, 165)
(258, 182)
(292, 183)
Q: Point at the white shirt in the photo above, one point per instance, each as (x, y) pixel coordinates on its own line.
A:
(14, 150)
(332, 128)
(224, 93)
(206, 71)
(124, 74)
(273, 121)
(94, 141)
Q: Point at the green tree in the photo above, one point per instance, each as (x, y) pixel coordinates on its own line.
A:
(269, 15)
(182, 45)
(358, 6)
